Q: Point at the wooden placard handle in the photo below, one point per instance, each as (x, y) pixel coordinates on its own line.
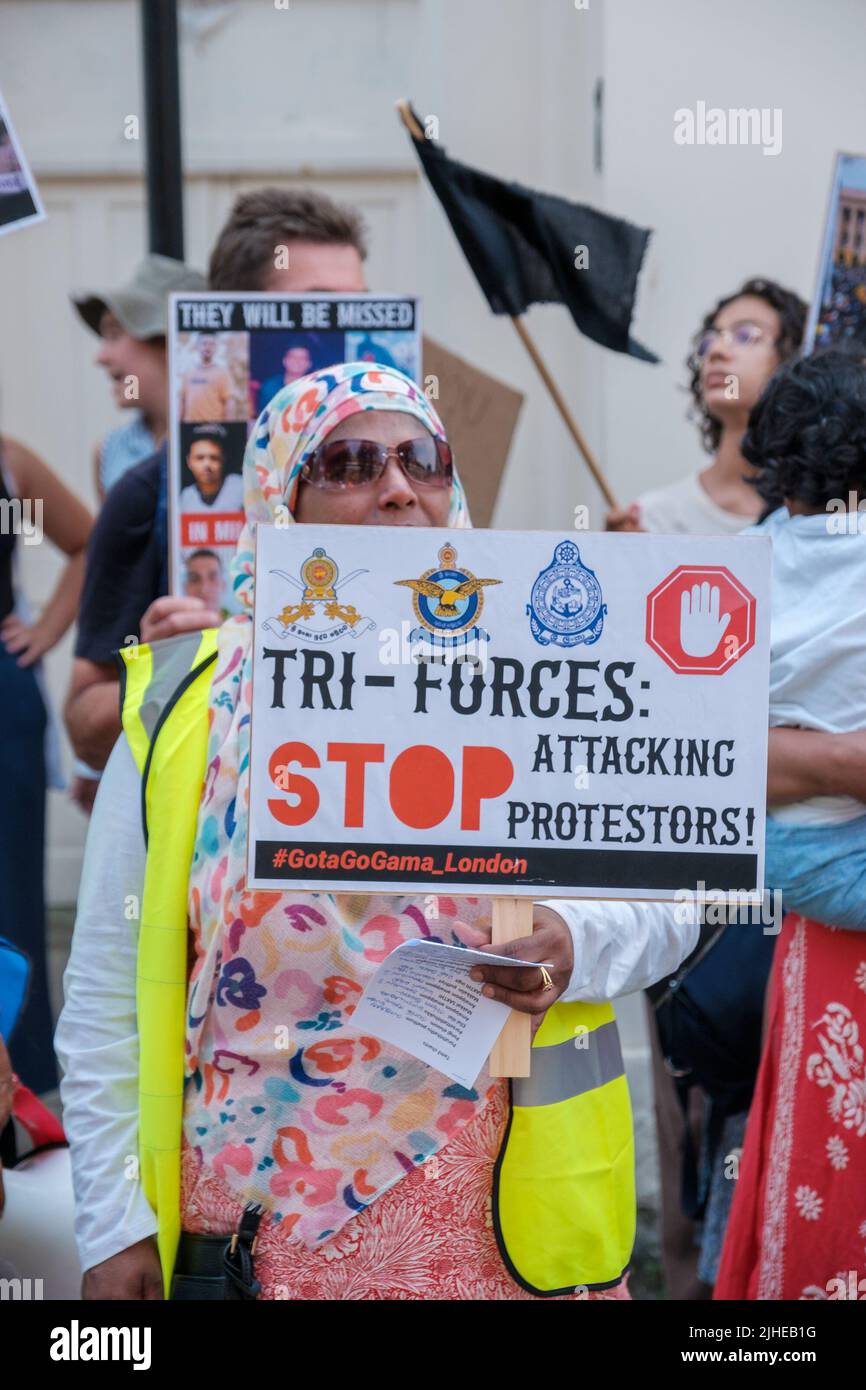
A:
(512, 917)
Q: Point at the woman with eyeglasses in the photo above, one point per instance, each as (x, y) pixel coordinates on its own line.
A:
(325, 1165)
(741, 343)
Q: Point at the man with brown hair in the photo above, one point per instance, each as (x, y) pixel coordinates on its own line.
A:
(276, 240)
(285, 242)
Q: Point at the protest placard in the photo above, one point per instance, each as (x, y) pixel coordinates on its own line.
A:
(20, 203)
(838, 312)
(480, 416)
(229, 355)
(515, 713)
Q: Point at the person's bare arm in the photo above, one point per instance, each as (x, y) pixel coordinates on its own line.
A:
(66, 522)
(133, 1273)
(91, 712)
(804, 762)
(96, 464)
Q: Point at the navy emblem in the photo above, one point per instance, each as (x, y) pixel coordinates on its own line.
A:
(565, 607)
(447, 601)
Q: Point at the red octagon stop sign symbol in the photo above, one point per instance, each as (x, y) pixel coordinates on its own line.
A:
(700, 620)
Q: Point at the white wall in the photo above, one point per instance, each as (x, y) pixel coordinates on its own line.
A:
(720, 213)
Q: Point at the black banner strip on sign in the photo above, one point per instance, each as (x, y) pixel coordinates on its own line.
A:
(492, 865)
(296, 316)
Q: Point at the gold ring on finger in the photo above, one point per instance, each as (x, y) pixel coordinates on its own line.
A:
(546, 981)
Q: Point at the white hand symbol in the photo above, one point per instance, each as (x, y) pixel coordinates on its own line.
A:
(701, 626)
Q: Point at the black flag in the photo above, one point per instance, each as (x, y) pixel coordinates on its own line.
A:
(526, 247)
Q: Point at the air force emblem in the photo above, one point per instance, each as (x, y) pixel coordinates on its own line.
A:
(447, 601)
(565, 607)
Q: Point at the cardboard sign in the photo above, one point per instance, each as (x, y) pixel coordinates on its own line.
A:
(516, 713)
(20, 204)
(229, 355)
(480, 416)
(838, 312)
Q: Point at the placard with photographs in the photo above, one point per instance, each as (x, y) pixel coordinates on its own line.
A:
(20, 204)
(838, 313)
(229, 355)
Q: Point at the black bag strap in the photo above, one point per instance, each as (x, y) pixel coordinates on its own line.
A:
(660, 992)
(240, 1280)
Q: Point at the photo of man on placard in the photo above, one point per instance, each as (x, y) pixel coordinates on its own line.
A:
(203, 576)
(277, 359)
(213, 376)
(212, 457)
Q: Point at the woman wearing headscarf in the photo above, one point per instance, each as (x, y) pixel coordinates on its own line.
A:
(359, 1171)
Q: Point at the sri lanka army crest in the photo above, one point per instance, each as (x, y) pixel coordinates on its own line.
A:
(447, 601)
(318, 615)
(565, 608)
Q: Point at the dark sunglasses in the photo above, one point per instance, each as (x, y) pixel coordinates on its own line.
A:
(347, 463)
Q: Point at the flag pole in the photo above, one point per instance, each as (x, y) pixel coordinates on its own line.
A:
(407, 116)
(570, 423)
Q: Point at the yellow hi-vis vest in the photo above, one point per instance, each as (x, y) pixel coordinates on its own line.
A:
(563, 1186)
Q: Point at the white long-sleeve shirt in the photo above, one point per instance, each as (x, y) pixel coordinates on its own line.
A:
(618, 948)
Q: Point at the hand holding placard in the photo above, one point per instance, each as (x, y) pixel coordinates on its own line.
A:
(538, 936)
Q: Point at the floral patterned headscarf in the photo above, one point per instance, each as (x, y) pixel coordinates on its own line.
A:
(298, 419)
(320, 1129)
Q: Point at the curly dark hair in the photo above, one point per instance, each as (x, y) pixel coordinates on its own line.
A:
(792, 311)
(807, 433)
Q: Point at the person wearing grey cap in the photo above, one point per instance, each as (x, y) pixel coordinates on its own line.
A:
(131, 322)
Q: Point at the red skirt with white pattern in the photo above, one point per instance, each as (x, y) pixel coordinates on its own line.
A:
(798, 1222)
